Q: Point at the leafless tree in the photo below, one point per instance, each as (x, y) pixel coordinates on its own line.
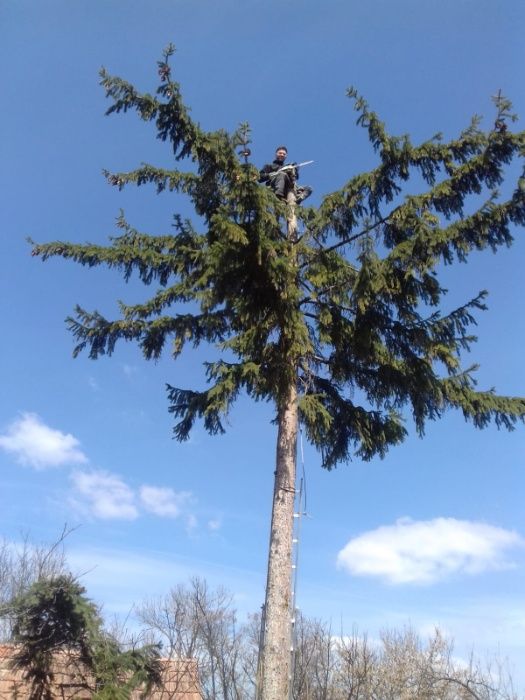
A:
(399, 666)
(357, 660)
(194, 621)
(24, 562)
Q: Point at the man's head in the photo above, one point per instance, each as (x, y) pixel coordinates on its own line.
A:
(280, 153)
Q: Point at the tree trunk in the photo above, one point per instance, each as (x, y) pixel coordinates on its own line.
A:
(276, 653)
(275, 662)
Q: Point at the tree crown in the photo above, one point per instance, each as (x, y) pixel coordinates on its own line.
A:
(350, 309)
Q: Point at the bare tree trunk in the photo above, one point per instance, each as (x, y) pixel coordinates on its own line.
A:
(275, 664)
(276, 657)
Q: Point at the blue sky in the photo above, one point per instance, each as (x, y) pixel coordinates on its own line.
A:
(434, 533)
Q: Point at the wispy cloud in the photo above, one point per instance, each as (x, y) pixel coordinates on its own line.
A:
(191, 523)
(93, 384)
(36, 444)
(215, 524)
(97, 493)
(121, 578)
(427, 551)
(164, 502)
(106, 495)
(129, 370)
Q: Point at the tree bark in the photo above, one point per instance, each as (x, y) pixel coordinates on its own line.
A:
(276, 653)
(275, 664)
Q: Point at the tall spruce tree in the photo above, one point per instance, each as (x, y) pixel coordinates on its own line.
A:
(339, 325)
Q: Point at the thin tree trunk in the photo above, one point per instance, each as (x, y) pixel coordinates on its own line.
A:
(275, 664)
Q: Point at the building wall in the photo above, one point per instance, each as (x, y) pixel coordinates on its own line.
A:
(180, 680)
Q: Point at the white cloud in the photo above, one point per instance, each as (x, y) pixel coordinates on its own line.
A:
(427, 551)
(40, 446)
(106, 495)
(215, 524)
(164, 502)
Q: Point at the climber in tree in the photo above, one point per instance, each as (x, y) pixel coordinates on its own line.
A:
(282, 178)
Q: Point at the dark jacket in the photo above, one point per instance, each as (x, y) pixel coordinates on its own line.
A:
(264, 172)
